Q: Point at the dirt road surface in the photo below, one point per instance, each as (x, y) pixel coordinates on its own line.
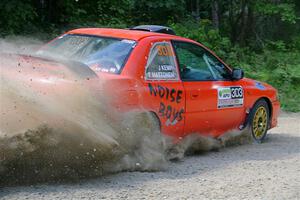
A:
(254, 171)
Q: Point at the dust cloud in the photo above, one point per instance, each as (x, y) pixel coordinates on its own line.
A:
(53, 128)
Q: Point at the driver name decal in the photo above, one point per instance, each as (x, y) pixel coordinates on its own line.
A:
(163, 72)
(230, 97)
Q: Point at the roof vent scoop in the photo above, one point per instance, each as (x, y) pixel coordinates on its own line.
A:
(154, 28)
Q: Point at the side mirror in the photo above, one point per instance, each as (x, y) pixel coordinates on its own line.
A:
(237, 74)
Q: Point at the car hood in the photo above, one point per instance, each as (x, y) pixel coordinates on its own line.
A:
(259, 84)
(261, 89)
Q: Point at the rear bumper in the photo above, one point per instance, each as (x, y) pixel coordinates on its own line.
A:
(275, 113)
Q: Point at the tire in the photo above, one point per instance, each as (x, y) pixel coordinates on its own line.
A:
(141, 125)
(148, 121)
(259, 120)
(147, 146)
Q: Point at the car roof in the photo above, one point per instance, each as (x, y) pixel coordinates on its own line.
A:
(120, 33)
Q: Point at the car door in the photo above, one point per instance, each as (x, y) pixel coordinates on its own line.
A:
(214, 103)
(164, 93)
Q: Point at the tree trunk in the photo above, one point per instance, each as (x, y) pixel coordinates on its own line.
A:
(243, 24)
(197, 10)
(215, 14)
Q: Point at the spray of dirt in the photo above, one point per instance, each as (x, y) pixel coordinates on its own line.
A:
(53, 129)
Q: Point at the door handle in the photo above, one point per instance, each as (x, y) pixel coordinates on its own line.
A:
(194, 94)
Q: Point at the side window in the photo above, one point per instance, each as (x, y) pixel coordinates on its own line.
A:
(161, 63)
(197, 64)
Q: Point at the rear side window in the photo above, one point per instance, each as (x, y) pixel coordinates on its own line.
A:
(161, 63)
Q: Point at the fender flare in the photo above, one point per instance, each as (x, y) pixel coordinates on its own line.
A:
(248, 116)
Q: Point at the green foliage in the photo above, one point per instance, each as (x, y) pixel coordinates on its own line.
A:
(157, 11)
(286, 11)
(295, 44)
(203, 32)
(15, 15)
(114, 12)
(282, 70)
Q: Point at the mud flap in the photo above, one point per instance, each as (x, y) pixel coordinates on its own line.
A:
(246, 123)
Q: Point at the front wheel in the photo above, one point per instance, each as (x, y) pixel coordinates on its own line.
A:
(259, 120)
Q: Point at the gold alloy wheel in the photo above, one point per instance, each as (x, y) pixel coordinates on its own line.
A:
(259, 123)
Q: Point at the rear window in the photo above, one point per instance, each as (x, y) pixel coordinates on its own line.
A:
(101, 53)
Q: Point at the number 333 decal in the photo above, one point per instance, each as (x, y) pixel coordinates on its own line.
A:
(230, 97)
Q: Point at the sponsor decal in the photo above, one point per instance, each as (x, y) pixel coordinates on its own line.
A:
(260, 86)
(172, 113)
(100, 69)
(166, 93)
(230, 97)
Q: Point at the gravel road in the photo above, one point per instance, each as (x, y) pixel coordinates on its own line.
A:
(254, 171)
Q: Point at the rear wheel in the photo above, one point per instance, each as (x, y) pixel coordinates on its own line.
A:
(146, 121)
(142, 126)
(147, 145)
(259, 120)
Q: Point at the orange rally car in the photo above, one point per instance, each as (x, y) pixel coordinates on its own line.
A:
(183, 84)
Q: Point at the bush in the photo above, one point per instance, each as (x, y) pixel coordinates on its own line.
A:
(16, 16)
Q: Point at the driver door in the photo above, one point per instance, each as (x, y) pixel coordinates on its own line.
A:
(214, 103)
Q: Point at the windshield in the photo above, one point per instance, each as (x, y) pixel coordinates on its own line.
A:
(100, 53)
